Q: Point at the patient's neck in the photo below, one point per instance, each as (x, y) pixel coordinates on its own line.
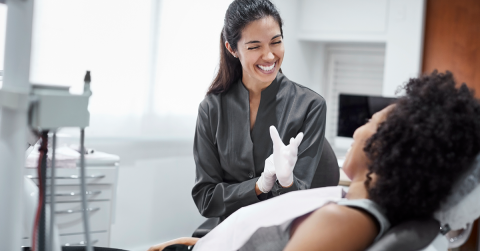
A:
(357, 189)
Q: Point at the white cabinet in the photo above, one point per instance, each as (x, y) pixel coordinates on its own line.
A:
(101, 195)
(311, 24)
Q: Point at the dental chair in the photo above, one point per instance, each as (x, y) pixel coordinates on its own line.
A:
(328, 175)
(459, 211)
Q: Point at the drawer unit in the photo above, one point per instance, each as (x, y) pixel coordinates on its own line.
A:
(101, 192)
(98, 239)
(73, 193)
(68, 216)
(67, 176)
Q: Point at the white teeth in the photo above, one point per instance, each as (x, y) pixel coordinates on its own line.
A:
(269, 68)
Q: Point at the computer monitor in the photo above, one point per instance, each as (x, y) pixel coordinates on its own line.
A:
(353, 112)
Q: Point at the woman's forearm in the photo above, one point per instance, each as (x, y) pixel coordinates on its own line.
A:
(188, 241)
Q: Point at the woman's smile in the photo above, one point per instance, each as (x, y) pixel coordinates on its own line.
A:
(267, 68)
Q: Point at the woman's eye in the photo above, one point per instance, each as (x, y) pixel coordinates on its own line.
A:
(252, 48)
(277, 42)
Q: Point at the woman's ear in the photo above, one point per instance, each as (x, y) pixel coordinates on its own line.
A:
(229, 48)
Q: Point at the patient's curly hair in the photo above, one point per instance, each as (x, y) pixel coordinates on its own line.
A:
(428, 139)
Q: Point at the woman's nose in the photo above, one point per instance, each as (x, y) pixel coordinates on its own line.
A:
(268, 55)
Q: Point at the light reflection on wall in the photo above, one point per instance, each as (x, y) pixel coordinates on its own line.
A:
(112, 38)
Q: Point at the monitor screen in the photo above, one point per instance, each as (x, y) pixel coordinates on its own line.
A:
(355, 110)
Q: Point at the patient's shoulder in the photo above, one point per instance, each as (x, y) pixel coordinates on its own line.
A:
(334, 227)
(343, 215)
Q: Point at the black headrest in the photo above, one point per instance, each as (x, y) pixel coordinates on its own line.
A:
(408, 236)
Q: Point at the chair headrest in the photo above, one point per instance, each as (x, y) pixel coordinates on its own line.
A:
(409, 235)
(462, 205)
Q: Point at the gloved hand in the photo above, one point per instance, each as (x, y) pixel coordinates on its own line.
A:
(268, 177)
(284, 157)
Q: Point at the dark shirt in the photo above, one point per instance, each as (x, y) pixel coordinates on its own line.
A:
(229, 157)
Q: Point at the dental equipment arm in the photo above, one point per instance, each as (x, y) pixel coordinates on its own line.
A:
(284, 156)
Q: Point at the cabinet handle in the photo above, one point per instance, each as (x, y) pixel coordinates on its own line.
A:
(71, 211)
(73, 177)
(77, 193)
(82, 243)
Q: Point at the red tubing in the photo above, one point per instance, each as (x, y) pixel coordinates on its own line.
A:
(41, 187)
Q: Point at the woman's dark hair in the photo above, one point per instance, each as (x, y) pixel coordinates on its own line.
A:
(429, 138)
(239, 14)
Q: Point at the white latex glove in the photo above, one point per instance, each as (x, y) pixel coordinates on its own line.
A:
(267, 179)
(284, 157)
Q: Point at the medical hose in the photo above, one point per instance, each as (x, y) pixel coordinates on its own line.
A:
(86, 225)
(39, 224)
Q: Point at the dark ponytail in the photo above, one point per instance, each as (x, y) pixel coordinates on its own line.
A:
(239, 14)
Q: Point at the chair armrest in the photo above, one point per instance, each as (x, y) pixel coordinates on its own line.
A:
(206, 227)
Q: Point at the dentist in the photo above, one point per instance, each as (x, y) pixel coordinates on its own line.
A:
(232, 147)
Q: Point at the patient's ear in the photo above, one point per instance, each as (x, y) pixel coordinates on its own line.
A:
(373, 179)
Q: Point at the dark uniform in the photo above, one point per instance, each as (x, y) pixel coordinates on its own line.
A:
(229, 157)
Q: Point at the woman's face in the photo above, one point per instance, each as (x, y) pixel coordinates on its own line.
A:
(260, 51)
(356, 159)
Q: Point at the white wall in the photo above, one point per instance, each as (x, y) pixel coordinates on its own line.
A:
(154, 203)
(310, 24)
(302, 63)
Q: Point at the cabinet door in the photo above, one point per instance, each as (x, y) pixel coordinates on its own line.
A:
(65, 176)
(68, 217)
(73, 193)
(97, 239)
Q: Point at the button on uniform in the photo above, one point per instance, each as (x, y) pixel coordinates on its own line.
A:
(250, 175)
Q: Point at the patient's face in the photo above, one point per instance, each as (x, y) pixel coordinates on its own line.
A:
(356, 161)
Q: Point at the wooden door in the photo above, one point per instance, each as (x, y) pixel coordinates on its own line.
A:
(452, 42)
(452, 39)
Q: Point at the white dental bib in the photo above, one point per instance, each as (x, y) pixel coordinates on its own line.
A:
(235, 231)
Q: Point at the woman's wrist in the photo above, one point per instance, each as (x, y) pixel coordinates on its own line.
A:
(286, 181)
(257, 190)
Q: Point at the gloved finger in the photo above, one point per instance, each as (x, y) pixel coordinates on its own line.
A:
(277, 141)
(299, 139)
(292, 141)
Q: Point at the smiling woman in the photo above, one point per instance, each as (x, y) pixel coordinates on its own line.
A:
(249, 94)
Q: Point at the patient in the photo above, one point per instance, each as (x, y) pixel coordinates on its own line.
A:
(402, 163)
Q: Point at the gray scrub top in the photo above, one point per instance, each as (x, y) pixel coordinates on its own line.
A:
(229, 157)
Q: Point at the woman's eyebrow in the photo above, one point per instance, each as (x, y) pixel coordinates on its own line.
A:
(256, 41)
(279, 35)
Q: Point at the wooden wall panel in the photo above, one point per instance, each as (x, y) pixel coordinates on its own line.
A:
(452, 42)
(452, 39)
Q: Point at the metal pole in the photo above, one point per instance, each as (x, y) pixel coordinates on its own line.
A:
(52, 195)
(13, 124)
(86, 225)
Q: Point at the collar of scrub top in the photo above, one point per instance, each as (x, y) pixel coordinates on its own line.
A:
(268, 94)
